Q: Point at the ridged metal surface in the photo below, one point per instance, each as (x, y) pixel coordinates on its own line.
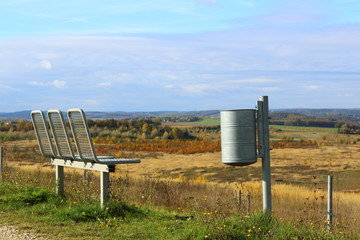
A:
(238, 137)
(42, 133)
(83, 141)
(81, 134)
(60, 134)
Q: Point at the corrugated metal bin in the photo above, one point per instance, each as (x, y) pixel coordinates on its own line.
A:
(238, 137)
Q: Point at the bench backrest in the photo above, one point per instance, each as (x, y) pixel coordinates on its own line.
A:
(60, 134)
(81, 134)
(42, 133)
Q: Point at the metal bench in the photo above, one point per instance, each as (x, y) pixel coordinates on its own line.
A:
(86, 157)
(61, 137)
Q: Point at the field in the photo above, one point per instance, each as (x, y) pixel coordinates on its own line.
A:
(301, 160)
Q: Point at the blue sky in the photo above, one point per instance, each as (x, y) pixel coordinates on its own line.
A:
(116, 55)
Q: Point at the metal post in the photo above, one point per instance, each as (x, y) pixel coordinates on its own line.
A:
(60, 180)
(104, 188)
(264, 148)
(329, 203)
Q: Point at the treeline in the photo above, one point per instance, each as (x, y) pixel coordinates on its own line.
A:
(16, 125)
(296, 119)
(350, 128)
(343, 127)
(343, 115)
(141, 128)
(15, 130)
(308, 123)
(182, 119)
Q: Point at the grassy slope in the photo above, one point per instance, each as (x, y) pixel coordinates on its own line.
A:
(39, 210)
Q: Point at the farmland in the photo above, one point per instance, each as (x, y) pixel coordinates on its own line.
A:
(188, 178)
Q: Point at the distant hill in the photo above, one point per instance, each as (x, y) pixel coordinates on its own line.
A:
(334, 114)
(121, 115)
(15, 115)
(331, 114)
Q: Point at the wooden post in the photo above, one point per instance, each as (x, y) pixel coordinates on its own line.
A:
(329, 207)
(1, 162)
(104, 188)
(248, 202)
(59, 180)
(86, 177)
(239, 197)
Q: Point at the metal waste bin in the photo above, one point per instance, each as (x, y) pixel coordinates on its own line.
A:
(238, 137)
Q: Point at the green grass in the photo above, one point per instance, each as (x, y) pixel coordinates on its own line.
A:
(304, 128)
(39, 210)
(202, 122)
(324, 136)
(209, 121)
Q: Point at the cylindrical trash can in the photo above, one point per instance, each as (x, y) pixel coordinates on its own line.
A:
(238, 137)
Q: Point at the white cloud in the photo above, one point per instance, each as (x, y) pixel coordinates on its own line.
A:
(254, 80)
(36, 83)
(46, 64)
(5, 88)
(207, 2)
(344, 95)
(197, 88)
(313, 87)
(270, 89)
(43, 64)
(92, 102)
(58, 83)
(225, 85)
(105, 84)
(249, 4)
(55, 83)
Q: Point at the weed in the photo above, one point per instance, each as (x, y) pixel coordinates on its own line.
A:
(16, 197)
(91, 212)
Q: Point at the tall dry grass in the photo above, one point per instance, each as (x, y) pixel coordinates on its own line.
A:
(201, 198)
(205, 200)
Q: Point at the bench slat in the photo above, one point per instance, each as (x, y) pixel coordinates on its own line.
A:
(42, 133)
(60, 134)
(84, 145)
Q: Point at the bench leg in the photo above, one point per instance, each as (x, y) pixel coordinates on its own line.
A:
(60, 180)
(104, 188)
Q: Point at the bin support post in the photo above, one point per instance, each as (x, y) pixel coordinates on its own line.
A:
(104, 188)
(264, 149)
(60, 180)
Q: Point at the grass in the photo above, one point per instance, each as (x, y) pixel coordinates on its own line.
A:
(202, 122)
(195, 184)
(160, 204)
(304, 128)
(185, 183)
(41, 211)
(324, 136)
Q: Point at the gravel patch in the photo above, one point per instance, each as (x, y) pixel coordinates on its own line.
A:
(10, 233)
